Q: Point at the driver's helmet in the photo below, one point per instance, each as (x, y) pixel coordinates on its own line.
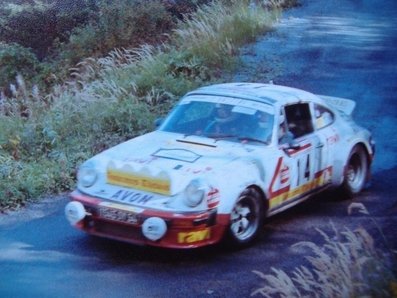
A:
(264, 119)
(224, 113)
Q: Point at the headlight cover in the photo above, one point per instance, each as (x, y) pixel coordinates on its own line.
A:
(87, 175)
(195, 192)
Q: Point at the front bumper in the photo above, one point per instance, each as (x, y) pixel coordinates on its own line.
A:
(126, 223)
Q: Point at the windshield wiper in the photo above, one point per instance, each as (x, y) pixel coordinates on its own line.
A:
(195, 143)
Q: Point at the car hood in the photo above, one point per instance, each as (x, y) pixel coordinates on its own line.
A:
(159, 165)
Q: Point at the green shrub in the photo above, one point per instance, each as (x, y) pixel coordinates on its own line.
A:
(83, 42)
(23, 181)
(10, 136)
(125, 23)
(15, 59)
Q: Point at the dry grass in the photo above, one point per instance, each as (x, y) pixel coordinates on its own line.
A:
(217, 30)
(347, 265)
(209, 38)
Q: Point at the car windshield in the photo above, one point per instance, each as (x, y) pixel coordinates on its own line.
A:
(222, 118)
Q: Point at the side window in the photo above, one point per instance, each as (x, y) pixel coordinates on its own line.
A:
(323, 116)
(299, 119)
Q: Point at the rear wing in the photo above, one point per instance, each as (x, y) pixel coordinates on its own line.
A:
(343, 105)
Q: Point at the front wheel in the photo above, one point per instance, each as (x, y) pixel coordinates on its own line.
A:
(356, 171)
(246, 218)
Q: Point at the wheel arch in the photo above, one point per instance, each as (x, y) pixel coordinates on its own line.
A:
(356, 171)
(366, 149)
(245, 227)
(341, 164)
(368, 154)
(262, 194)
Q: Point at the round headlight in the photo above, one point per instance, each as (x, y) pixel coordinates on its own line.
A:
(87, 176)
(194, 193)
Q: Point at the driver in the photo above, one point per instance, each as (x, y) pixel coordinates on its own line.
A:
(284, 135)
(224, 122)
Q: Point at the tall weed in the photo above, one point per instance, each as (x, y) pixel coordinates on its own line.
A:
(347, 265)
(215, 31)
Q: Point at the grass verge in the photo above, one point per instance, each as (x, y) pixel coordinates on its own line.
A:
(45, 136)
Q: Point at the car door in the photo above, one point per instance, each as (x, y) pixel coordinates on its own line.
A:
(323, 125)
(303, 157)
(302, 149)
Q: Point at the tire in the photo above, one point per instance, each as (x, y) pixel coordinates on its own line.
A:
(246, 218)
(356, 172)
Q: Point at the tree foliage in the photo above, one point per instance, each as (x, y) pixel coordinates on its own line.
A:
(14, 60)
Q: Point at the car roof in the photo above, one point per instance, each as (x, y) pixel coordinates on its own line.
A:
(266, 93)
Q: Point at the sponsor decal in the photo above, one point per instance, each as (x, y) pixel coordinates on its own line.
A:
(131, 197)
(276, 185)
(194, 236)
(302, 148)
(266, 107)
(284, 174)
(213, 197)
(286, 194)
(198, 170)
(158, 185)
(333, 139)
(142, 161)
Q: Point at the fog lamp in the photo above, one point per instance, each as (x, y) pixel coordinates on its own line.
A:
(154, 228)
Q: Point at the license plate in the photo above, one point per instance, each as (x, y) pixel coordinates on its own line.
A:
(118, 215)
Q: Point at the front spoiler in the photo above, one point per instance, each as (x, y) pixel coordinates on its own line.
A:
(184, 230)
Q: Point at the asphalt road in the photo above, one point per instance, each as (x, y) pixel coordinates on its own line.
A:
(341, 48)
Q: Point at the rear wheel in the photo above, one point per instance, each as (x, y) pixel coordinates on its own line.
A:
(246, 218)
(356, 171)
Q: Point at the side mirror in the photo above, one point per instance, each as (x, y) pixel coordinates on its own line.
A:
(289, 141)
(158, 122)
(293, 144)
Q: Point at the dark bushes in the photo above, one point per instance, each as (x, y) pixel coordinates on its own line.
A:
(53, 36)
(125, 23)
(15, 59)
(38, 26)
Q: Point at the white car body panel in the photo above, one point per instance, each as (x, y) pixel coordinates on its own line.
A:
(158, 153)
(151, 172)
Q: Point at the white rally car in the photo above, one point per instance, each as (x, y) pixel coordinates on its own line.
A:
(225, 158)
